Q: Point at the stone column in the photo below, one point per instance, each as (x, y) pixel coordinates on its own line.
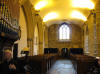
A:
(98, 27)
(95, 38)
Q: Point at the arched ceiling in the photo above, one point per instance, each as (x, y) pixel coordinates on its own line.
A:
(64, 10)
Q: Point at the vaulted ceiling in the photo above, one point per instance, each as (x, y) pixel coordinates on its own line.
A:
(72, 11)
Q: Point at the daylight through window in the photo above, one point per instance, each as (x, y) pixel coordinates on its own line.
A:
(64, 32)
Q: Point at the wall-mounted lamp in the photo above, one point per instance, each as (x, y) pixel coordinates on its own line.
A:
(37, 12)
(25, 51)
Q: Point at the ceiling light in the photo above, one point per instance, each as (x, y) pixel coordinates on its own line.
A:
(78, 15)
(50, 16)
(40, 5)
(83, 4)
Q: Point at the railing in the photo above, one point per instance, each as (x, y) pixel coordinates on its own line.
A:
(8, 25)
(8, 28)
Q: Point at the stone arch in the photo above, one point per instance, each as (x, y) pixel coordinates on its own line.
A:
(23, 26)
(40, 29)
(30, 25)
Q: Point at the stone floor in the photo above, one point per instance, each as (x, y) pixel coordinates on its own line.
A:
(62, 67)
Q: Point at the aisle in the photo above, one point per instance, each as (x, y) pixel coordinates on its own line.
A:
(62, 67)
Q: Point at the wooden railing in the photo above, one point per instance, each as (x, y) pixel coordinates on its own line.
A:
(8, 24)
(8, 28)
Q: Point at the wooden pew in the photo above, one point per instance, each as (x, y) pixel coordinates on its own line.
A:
(40, 64)
(82, 63)
(76, 51)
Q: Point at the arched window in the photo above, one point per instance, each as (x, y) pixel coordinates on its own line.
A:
(64, 32)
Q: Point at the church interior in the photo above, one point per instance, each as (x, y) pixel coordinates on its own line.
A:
(51, 36)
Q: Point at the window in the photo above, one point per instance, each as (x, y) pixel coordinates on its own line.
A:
(64, 32)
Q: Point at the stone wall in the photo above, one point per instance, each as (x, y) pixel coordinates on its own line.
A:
(89, 35)
(93, 44)
(75, 38)
(97, 10)
(32, 19)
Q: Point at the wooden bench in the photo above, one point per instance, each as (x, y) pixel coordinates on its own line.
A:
(40, 64)
(82, 63)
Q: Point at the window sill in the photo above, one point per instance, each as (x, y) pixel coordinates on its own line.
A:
(64, 40)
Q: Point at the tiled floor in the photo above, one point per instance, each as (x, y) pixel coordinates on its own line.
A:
(62, 67)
